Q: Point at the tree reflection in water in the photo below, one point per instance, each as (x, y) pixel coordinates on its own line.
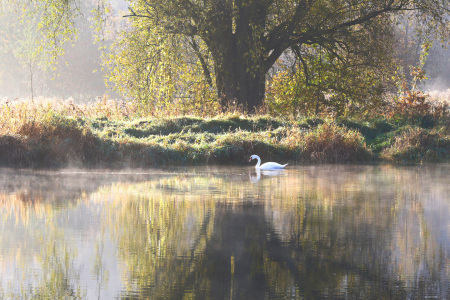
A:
(310, 232)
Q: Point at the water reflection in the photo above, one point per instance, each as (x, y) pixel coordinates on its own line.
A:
(312, 232)
(256, 175)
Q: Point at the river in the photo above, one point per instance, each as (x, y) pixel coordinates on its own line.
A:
(327, 231)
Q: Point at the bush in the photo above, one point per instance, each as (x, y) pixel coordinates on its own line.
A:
(54, 142)
(418, 145)
(332, 143)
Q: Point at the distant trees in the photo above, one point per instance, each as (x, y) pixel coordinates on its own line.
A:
(23, 49)
(198, 50)
(39, 58)
(410, 37)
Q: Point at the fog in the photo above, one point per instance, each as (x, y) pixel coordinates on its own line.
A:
(437, 68)
(79, 73)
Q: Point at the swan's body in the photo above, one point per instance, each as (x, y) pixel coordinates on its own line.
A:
(267, 165)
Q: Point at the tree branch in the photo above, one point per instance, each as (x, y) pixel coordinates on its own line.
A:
(134, 14)
(283, 36)
(203, 63)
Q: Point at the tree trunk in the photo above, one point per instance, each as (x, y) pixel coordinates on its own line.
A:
(239, 55)
(237, 85)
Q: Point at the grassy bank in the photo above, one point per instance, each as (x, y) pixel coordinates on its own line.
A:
(110, 134)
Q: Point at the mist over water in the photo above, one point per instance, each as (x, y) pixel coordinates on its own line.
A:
(226, 232)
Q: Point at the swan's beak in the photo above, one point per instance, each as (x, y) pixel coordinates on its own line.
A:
(250, 159)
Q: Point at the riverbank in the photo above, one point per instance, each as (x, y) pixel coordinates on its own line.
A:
(49, 136)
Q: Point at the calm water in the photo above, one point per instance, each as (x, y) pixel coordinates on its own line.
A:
(328, 231)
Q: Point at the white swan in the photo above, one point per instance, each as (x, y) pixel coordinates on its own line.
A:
(267, 165)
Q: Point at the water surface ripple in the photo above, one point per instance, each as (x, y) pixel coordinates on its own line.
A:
(329, 231)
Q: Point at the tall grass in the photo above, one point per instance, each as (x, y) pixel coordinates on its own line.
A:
(416, 145)
(55, 133)
(332, 143)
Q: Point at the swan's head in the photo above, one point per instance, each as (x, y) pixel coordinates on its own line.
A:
(253, 157)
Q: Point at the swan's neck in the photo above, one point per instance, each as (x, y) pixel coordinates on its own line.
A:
(259, 162)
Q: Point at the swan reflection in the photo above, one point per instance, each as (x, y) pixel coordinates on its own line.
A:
(258, 172)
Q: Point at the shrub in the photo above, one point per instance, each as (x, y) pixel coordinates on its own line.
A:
(57, 141)
(418, 145)
(332, 143)
(12, 151)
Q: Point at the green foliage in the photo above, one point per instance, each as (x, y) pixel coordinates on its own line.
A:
(198, 57)
(114, 135)
(342, 52)
(50, 25)
(148, 64)
(36, 60)
(22, 41)
(417, 145)
(56, 140)
(322, 81)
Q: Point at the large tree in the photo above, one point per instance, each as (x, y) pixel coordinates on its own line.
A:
(235, 43)
(245, 38)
